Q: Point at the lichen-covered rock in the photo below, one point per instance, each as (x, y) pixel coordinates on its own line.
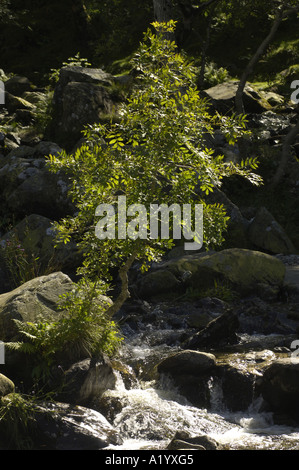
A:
(244, 269)
(6, 386)
(222, 97)
(81, 97)
(35, 300)
(240, 270)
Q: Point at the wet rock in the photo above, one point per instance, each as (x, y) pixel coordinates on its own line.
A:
(218, 332)
(183, 440)
(87, 380)
(237, 388)
(279, 386)
(178, 444)
(265, 233)
(187, 362)
(67, 427)
(190, 372)
(6, 386)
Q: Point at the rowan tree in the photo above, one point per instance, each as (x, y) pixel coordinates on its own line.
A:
(156, 152)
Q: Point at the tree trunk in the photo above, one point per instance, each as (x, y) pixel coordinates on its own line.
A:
(123, 275)
(80, 19)
(260, 50)
(205, 47)
(162, 10)
(289, 140)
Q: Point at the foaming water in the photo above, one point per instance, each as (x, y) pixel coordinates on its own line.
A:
(151, 412)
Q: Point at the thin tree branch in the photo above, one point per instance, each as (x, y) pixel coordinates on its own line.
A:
(289, 140)
(260, 50)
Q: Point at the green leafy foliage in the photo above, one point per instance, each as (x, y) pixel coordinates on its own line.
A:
(76, 61)
(215, 75)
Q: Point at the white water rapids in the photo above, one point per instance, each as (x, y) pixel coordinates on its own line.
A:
(151, 414)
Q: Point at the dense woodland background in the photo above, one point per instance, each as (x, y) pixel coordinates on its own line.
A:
(36, 35)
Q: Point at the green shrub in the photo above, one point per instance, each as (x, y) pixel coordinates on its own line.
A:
(17, 422)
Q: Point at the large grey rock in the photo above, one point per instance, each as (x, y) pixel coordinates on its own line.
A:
(222, 98)
(33, 301)
(87, 380)
(59, 426)
(36, 235)
(265, 233)
(6, 386)
(81, 97)
(27, 186)
(74, 428)
(279, 386)
(18, 85)
(190, 372)
(238, 269)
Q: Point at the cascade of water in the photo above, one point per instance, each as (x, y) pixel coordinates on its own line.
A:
(151, 412)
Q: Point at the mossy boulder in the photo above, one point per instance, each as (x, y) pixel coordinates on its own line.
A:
(222, 98)
(33, 301)
(241, 270)
(6, 386)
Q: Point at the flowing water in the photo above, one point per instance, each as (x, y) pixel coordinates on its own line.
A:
(151, 411)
